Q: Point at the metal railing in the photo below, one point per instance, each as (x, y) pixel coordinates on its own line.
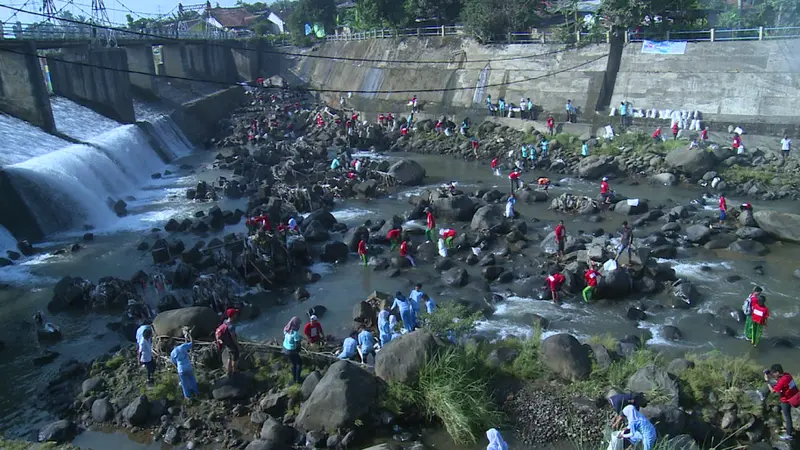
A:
(57, 32)
(717, 35)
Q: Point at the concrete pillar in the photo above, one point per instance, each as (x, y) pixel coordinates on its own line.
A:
(760, 33)
(140, 59)
(23, 93)
(95, 78)
(247, 58)
(711, 35)
(174, 60)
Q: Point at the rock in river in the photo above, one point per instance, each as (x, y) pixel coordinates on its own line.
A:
(345, 394)
(564, 355)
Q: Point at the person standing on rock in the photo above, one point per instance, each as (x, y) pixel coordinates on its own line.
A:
(225, 336)
(523, 106)
(145, 354)
(513, 178)
(704, 135)
(524, 153)
(313, 330)
(512, 200)
(531, 115)
(362, 251)
(737, 145)
(747, 309)
(591, 277)
(384, 329)
(403, 306)
(625, 241)
(489, 105)
(585, 149)
(623, 112)
(501, 106)
(786, 146)
(783, 384)
(430, 229)
(291, 347)
(430, 305)
(675, 130)
(555, 281)
(561, 238)
(405, 253)
(723, 209)
(545, 145)
(180, 357)
(760, 316)
(605, 191)
(394, 237)
(551, 125)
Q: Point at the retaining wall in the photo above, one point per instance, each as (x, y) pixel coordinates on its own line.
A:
(23, 93)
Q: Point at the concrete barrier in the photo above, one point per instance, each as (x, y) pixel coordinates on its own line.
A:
(198, 119)
(23, 93)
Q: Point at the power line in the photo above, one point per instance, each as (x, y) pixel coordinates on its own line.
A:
(306, 89)
(18, 10)
(301, 55)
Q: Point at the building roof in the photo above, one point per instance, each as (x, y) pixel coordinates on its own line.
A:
(232, 17)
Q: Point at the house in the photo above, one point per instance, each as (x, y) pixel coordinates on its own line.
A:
(279, 23)
(230, 18)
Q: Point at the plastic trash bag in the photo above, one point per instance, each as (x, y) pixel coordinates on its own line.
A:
(615, 442)
(609, 266)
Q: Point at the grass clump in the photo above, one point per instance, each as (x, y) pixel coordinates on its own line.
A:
(726, 377)
(165, 386)
(399, 398)
(606, 340)
(115, 362)
(453, 388)
(7, 444)
(616, 375)
(528, 364)
(739, 174)
(451, 319)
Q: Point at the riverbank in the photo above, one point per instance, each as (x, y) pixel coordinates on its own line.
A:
(279, 177)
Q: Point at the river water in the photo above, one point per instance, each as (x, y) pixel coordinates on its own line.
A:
(119, 163)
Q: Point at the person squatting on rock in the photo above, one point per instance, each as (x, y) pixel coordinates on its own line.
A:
(448, 234)
(555, 281)
(313, 330)
(225, 336)
(783, 384)
(591, 276)
(394, 237)
(638, 428)
(291, 347)
(510, 203)
(180, 357)
(144, 352)
(349, 347)
(496, 441)
(366, 344)
(384, 329)
(406, 253)
(514, 179)
(403, 306)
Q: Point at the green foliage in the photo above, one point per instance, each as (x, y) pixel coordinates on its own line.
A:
(399, 398)
(489, 19)
(380, 13)
(25, 445)
(165, 386)
(616, 375)
(451, 317)
(115, 362)
(606, 340)
(322, 12)
(453, 388)
(739, 174)
(528, 365)
(445, 11)
(727, 377)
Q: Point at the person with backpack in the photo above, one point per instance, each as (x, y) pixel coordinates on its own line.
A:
(760, 316)
(747, 309)
(783, 384)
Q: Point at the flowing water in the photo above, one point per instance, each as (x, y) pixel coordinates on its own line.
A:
(68, 185)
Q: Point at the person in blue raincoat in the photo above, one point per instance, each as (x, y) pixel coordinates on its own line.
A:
(638, 429)
(180, 357)
(415, 298)
(384, 329)
(403, 305)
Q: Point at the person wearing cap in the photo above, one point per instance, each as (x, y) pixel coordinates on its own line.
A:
(313, 330)
(430, 228)
(225, 336)
(605, 191)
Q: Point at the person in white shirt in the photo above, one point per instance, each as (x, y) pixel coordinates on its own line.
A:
(145, 354)
(786, 146)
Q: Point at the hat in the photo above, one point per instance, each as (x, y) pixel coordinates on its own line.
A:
(313, 317)
(232, 312)
(605, 178)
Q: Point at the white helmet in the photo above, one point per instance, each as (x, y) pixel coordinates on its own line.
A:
(605, 178)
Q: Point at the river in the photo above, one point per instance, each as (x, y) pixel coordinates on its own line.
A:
(154, 201)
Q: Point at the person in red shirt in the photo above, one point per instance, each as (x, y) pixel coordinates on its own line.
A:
(438, 127)
(404, 131)
(394, 237)
(591, 277)
(723, 209)
(675, 130)
(362, 251)
(513, 178)
(657, 135)
(704, 134)
(354, 117)
(759, 316)
(404, 252)
(448, 234)
(605, 191)
(561, 238)
(783, 384)
(551, 125)
(494, 165)
(430, 228)
(313, 330)
(555, 280)
(381, 118)
(737, 142)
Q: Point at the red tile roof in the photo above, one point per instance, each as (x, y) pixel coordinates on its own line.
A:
(232, 17)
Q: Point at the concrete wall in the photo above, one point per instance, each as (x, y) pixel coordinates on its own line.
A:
(23, 93)
(528, 68)
(747, 82)
(213, 62)
(247, 58)
(140, 59)
(198, 119)
(106, 91)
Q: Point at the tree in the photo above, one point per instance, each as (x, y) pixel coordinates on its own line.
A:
(379, 13)
(442, 11)
(626, 14)
(488, 19)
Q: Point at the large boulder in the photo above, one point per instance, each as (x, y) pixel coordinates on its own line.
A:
(691, 162)
(631, 207)
(651, 379)
(782, 226)
(749, 247)
(614, 284)
(565, 356)
(334, 251)
(345, 394)
(102, 410)
(402, 358)
(595, 166)
(455, 277)
(456, 207)
(486, 217)
(137, 411)
(70, 293)
(200, 319)
(407, 172)
(549, 246)
(59, 431)
(698, 234)
(684, 295)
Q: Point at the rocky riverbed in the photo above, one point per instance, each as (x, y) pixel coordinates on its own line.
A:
(280, 153)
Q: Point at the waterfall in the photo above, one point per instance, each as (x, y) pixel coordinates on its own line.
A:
(7, 241)
(170, 137)
(480, 88)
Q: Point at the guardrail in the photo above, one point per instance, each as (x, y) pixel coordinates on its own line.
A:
(57, 32)
(542, 37)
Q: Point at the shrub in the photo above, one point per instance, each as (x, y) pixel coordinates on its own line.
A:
(727, 377)
(399, 398)
(451, 318)
(165, 386)
(616, 375)
(453, 388)
(739, 175)
(115, 362)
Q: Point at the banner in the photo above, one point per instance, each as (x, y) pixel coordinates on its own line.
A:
(308, 29)
(664, 47)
